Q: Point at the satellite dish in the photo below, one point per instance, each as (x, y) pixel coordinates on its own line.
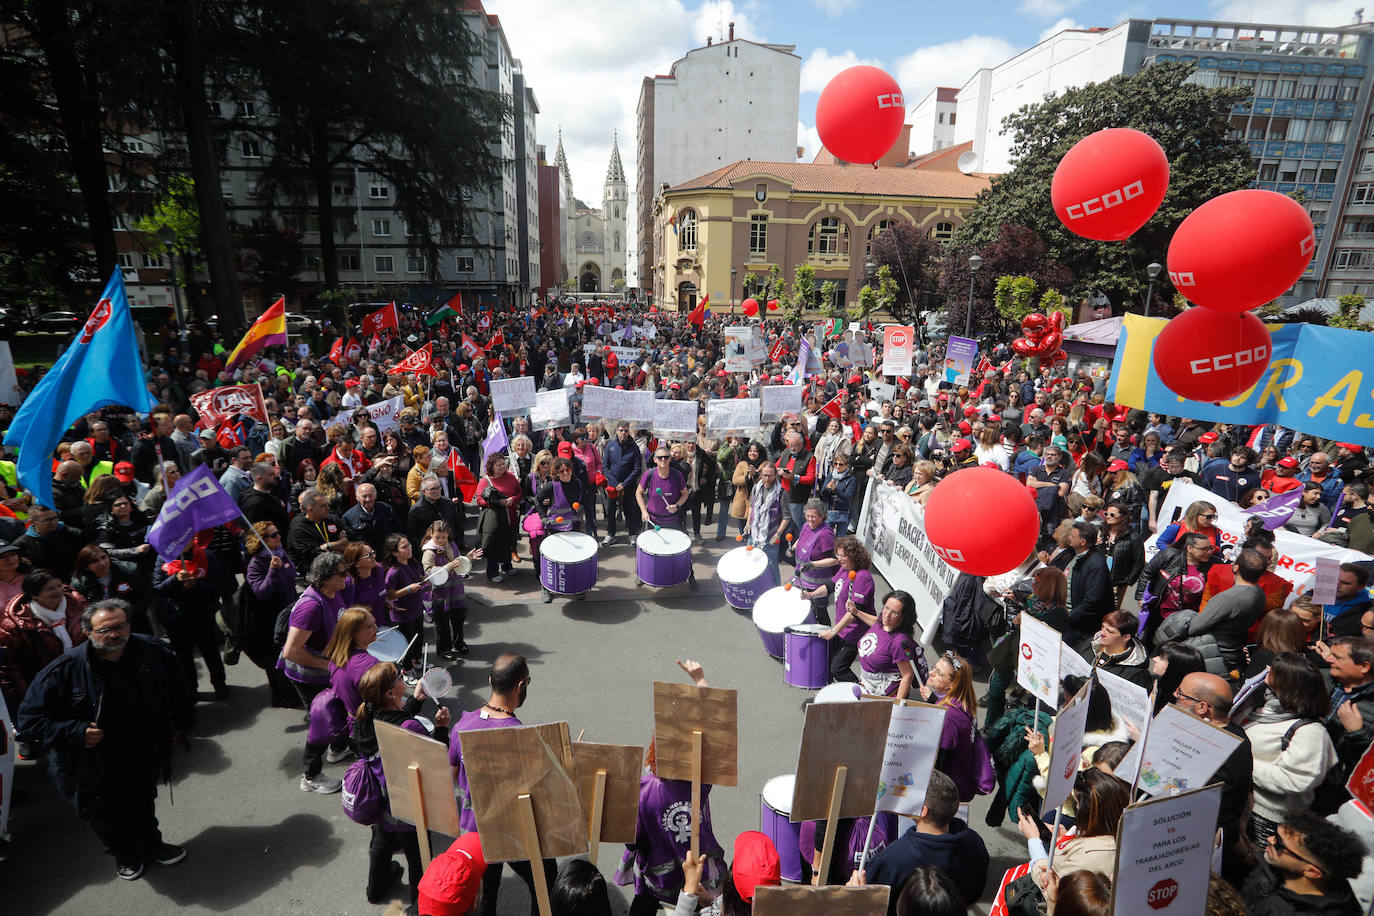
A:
(967, 161)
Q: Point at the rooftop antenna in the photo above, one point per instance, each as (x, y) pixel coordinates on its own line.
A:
(1359, 15)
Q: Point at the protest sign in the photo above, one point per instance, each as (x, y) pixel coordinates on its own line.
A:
(1180, 752)
(892, 527)
(913, 740)
(834, 900)
(696, 738)
(675, 419)
(960, 353)
(850, 735)
(1324, 580)
(513, 397)
(419, 782)
(1248, 694)
(898, 349)
(551, 408)
(1037, 665)
(10, 392)
(600, 402)
(882, 392)
(1070, 662)
(777, 400)
(197, 502)
(608, 784)
(219, 404)
(385, 415)
(1067, 749)
(1360, 785)
(743, 348)
(1129, 701)
(733, 416)
(1163, 854)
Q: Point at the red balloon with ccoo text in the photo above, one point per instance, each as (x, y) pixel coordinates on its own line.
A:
(982, 521)
(1241, 250)
(1110, 183)
(860, 113)
(1208, 355)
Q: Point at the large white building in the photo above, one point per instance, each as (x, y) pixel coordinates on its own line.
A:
(933, 121)
(721, 103)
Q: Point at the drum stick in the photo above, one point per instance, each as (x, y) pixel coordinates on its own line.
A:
(580, 734)
(410, 645)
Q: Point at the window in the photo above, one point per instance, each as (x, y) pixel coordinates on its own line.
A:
(350, 261)
(1338, 131)
(952, 116)
(1287, 88)
(113, 182)
(1268, 171)
(687, 231)
(1288, 175)
(150, 260)
(117, 222)
(126, 259)
(132, 145)
(1307, 90)
(758, 234)
(1348, 93)
(383, 264)
(1318, 217)
(828, 238)
(1367, 161)
(378, 191)
(251, 149)
(1297, 130)
(1362, 194)
(381, 228)
(464, 265)
(1307, 175)
(1266, 87)
(942, 117)
(247, 108)
(1327, 91)
(1257, 133)
(1317, 132)
(415, 264)
(942, 231)
(1327, 176)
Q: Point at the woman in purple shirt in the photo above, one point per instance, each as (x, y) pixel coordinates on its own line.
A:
(302, 658)
(951, 685)
(366, 585)
(816, 560)
(889, 658)
(269, 584)
(405, 580)
(853, 595)
(348, 656)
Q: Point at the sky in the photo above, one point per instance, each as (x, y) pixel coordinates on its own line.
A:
(585, 59)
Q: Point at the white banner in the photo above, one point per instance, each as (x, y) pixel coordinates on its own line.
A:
(512, 397)
(913, 740)
(600, 402)
(1129, 701)
(1163, 862)
(733, 416)
(1037, 663)
(893, 529)
(777, 400)
(1180, 752)
(10, 392)
(898, 349)
(675, 419)
(551, 408)
(1067, 749)
(882, 392)
(744, 348)
(625, 355)
(386, 415)
(7, 760)
(1297, 554)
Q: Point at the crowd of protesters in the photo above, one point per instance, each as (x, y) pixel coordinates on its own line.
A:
(345, 523)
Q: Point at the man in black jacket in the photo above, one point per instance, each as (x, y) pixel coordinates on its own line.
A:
(1090, 583)
(370, 520)
(313, 530)
(432, 507)
(1307, 867)
(108, 712)
(262, 502)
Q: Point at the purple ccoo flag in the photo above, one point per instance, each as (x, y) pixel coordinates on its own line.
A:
(197, 502)
(496, 440)
(1276, 510)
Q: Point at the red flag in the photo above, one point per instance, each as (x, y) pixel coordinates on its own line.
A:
(470, 348)
(417, 362)
(484, 323)
(384, 317)
(456, 303)
(496, 342)
(375, 343)
(777, 351)
(336, 351)
(832, 407)
(697, 316)
(462, 476)
(984, 364)
(352, 349)
(228, 437)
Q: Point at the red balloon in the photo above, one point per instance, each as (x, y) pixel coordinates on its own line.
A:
(751, 308)
(860, 113)
(982, 493)
(1241, 250)
(1034, 323)
(1024, 347)
(1057, 321)
(772, 305)
(1110, 184)
(1054, 359)
(1207, 355)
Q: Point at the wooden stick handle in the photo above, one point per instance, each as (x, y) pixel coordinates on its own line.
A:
(831, 821)
(696, 793)
(598, 809)
(541, 884)
(417, 796)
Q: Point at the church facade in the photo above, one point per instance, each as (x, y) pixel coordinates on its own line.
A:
(594, 240)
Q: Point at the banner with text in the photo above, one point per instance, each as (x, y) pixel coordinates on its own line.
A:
(744, 348)
(1179, 752)
(551, 409)
(602, 403)
(913, 740)
(780, 399)
(1164, 862)
(960, 354)
(385, 415)
(512, 397)
(733, 416)
(675, 419)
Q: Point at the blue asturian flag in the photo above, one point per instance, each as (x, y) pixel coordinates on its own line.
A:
(101, 367)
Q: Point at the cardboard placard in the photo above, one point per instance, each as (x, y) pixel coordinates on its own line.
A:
(851, 735)
(1129, 701)
(1163, 854)
(733, 416)
(777, 400)
(1360, 785)
(504, 764)
(620, 764)
(558, 737)
(1037, 666)
(1180, 752)
(675, 419)
(835, 900)
(419, 782)
(551, 409)
(1067, 749)
(680, 710)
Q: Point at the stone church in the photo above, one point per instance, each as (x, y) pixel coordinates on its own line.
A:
(595, 241)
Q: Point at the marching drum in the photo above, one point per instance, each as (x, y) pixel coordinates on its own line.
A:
(567, 562)
(663, 557)
(775, 809)
(744, 576)
(775, 611)
(838, 692)
(806, 659)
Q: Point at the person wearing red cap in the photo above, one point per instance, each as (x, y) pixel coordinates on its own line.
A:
(1282, 477)
(1351, 462)
(453, 881)
(756, 865)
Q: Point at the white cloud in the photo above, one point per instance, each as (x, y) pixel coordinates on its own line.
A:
(822, 66)
(949, 64)
(1048, 9)
(1064, 23)
(1286, 12)
(713, 18)
(836, 7)
(809, 139)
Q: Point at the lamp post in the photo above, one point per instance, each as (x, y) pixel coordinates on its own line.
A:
(733, 273)
(168, 238)
(1153, 270)
(974, 264)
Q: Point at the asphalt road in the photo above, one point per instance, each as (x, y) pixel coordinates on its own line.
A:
(257, 844)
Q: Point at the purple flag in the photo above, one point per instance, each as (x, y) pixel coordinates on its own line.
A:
(496, 440)
(1276, 510)
(197, 502)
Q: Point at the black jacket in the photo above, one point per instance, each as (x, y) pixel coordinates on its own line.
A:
(1265, 895)
(371, 528)
(424, 513)
(266, 507)
(1127, 554)
(1090, 590)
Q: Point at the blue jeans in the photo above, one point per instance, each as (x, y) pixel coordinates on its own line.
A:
(722, 516)
(798, 513)
(771, 551)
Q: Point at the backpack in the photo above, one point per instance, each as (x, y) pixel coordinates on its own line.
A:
(984, 771)
(282, 625)
(364, 791)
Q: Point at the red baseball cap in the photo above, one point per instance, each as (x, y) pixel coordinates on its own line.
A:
(1208, 437)
(961, 445)
(756, 863)
(1117, 464)
(124, 472)
(965, 426)
(856, 379)
(994, 418)
(565, 450)
(970, 411)
(1350, 447)
(453, 881)
(1289, 462)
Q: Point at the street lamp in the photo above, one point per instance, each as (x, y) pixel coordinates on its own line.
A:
(168, 238)
(974, 264)
(1153, 270)
(733, 273)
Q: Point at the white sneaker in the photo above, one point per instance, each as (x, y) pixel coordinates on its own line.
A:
(498, 578)
(321, 784)
(333, 756)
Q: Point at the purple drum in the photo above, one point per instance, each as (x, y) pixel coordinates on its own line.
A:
(567, 562)
(775, 611)
(806, 662)
(775, 809)
(744, 576)
(663, 557)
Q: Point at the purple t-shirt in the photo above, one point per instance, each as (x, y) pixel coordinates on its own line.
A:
(850, 842)
(815, 544)
(407, 608)
(861, 591)
(369, 593)
(345, 680)
(957, 739)
(663, 836)
(659, 503)
(318, 614)
(879, 653)
(470, 721)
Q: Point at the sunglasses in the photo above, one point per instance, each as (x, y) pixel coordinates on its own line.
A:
(1281, 847)
(1207, 517)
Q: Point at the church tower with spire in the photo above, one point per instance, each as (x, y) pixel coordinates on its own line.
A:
(615, 206)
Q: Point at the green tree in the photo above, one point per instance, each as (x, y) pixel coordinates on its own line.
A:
(177, 210)
(1348, 313)
(913, 260)
(1191, 123)
(1015, 298)
(1017, 251)
(802, 295)
(830, 300)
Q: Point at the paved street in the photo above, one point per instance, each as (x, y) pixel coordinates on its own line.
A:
(258, 844)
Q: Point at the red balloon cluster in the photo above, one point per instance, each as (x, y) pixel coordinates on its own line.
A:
(982, 493)
(751, 307)
(1041, 337)
(772, 305)
(1110, 184)
(859, 114)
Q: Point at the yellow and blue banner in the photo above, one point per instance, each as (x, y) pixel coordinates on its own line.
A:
(268, 331)
(1316, 382)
